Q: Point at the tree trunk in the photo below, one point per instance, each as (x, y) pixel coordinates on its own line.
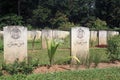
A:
(19, 7)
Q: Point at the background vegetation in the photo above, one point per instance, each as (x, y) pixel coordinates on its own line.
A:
(114, 48)
(61, 14)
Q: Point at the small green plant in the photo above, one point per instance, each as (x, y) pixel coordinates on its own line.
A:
(96, 59)
(51, 47)
(113, 49)
(93, 58)
(89, 61)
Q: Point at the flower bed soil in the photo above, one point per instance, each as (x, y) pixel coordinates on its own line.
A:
(58, 68)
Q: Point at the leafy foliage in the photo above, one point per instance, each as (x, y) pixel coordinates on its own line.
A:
(61, 21)
(99, 24)
(109, 11)
(41, 16)
(20, 67)
(95, 58)
(11, 19)
(39, 13)
(114, 48)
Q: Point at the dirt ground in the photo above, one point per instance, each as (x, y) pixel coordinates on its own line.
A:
(58, 68)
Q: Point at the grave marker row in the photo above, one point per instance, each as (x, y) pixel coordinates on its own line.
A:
(15, 42)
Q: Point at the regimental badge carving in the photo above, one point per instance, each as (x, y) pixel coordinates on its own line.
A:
(80, 33)
(80, 37)
(15, 33)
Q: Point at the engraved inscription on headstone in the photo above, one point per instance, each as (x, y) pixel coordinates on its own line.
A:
(79, 43)
(15, 43)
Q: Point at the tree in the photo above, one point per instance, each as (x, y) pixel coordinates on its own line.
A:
(109, 10)
(41, 16)
(81, 11)
(8, 6)
(10, 19)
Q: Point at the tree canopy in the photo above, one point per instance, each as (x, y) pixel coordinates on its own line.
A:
(60, 13)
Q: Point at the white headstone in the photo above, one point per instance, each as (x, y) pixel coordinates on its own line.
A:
(93, 35)
(111, 33)
(117, 33)
(15, 43)
(102, 37)
(60, 34)
(46, 34)
(55, 34)
(63, 34)
(79, 43)
(32, 34)
(38, 36)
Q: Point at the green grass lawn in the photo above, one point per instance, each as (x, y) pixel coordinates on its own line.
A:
(101, 52)
(65, 44)
(37, 44)
(61, 56)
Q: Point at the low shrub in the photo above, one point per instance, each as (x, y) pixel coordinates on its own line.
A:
(93, 58)
(20, 67)
(113, 49)
(96, 59)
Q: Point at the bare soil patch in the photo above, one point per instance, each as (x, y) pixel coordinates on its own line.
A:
(59, 68)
